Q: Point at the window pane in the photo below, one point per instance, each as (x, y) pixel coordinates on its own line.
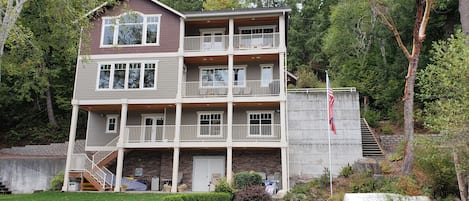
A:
(131, 18)
(134, 76)
(153, 19)
(266, 129)
(104, 76)
(148, 121)
(119, 76)
(152, 33)
(149, 76)
(108, 36)
(239, 76)
(207, 77)
(266, 75)
(130, 34)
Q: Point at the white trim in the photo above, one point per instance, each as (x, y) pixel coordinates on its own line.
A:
(116, 124)
(129, 56)
(271, 66)
(154, 117)
(238, 13)
(199, 113)
(127, 67)
(115, 42)
(258, 27)
(260, 112)
(211, 30)
(169, 8)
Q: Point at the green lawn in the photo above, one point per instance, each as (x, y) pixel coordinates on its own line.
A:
(85, 196)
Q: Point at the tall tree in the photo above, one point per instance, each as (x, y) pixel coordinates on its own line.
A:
(420, 25)
(464, 15)
(9, 13)
(184, 5)
(444, 88)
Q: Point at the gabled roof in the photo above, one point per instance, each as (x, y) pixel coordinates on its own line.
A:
(154, 1)
(236, 12)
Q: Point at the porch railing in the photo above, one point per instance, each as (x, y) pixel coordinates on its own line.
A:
(256, 133)
(206, 43)
(203, 133)
(247, 88)
(101, 155)
(240, 42)
(148, 134)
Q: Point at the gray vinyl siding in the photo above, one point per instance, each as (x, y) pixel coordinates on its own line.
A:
(166, 79)
(96, 132)
(253, 70)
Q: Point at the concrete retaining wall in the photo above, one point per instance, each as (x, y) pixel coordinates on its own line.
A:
(391, 142)
(308, 131)
(26, 175)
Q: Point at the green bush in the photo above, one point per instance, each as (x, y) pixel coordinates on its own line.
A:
(223, 186)
(324, 180)
(245, 179)
(346, 171)
(252, 192)
(57, 182)
(199, 197)
(307, 191)
(372, 117)
(362, 183)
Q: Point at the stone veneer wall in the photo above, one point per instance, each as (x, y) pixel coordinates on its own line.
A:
(159, 163)
(390, 142)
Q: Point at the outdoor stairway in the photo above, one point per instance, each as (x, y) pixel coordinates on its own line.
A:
(3, 189)
(371, 148)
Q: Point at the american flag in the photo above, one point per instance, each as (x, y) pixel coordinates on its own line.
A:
(330, 105)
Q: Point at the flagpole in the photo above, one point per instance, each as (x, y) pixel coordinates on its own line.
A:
(329, 131)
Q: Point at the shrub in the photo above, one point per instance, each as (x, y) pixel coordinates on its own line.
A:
(57, 182)
(324, 180)
(346, 171)
(387, 129)
(372, 117)
(307, 191)
(223, 186)
(245, 179)
(253, 192)
(385, 167)
(362, 183)
(199, 197)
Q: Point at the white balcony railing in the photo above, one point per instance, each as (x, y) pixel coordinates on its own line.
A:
(202, 43)
(256, 41)
(256, 133)
(248, 88)
(203, 133)
(240, 42)
(149, 134)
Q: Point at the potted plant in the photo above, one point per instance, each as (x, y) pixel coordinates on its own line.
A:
(167, 188)
(182, 188)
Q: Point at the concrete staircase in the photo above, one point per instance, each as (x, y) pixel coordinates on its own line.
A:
(370, 145)
(4, 190)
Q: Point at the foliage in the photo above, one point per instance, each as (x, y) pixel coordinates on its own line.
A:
(223, 186)
(220, 4)
(199, 197)
(437, 166)
(245, 179)
(385, 167)
(324, 179)
(308, 191)
(307, 79)
(252, 192)
(362, 183)
(57, 181)
(399, 153)
(346, 171)
(184, 5)
(371, 116)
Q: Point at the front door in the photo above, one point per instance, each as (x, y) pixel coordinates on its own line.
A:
(205, 169)
(212, 40)
(152, 127)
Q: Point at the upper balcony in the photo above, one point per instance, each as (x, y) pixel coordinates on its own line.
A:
(261, 33)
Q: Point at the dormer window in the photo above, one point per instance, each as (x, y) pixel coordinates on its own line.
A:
(131, 29)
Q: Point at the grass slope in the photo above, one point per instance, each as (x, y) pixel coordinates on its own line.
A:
(84, 196)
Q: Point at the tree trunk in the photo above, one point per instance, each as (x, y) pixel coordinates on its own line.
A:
(464, 15)
(459, 175)
(408, 163)
(50, 109)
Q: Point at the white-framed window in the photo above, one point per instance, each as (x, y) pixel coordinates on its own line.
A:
(257, 37)
(127, 75)
(130, 29)
(260, 123)
(218, 76)
(267, 74)
(111, 123)
(210, 124)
